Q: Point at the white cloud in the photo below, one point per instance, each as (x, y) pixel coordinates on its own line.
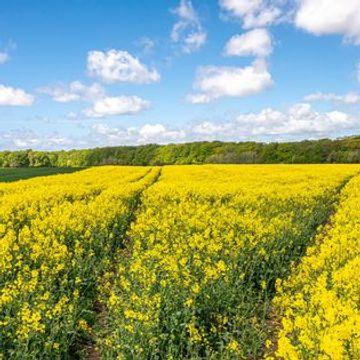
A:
(194, 41)
(4, 57)
(145, 134)
(300, 119)
(5, 52)
(146, 44)
(102, 105)
(255, 42)
(159, 132)
(74, 91)
(253, 13)
(349, 98)
(14, 96)
(119, 66)
(198, 98)
(214, 82)
(150, 131)
(26, 139)
(188, 30)
(323, 17)
(186, 11)
(241, 7)
(298, 122)
(120, 105)
(209, 128)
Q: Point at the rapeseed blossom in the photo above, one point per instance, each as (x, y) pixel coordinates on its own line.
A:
(57, 236)
(185, 265)
(206, 249)
(319, 303)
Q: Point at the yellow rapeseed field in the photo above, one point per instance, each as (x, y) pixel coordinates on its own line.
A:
(182, 262)
(56, 237)
(320, 303)
(207, 246)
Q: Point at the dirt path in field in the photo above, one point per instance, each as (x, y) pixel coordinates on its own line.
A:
(274, 319)
(90, 350)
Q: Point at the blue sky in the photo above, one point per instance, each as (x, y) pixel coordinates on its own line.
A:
(85, 73)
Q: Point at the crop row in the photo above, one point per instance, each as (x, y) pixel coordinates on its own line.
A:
(208, 246)
(320, 302)
(201, 262)
(57, 237)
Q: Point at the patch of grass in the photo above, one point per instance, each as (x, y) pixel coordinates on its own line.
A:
(13, 174)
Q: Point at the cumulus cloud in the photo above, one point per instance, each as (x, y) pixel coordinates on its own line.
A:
(299, 121)
(254, 13)
(117, 105)
(159, 132)
(119, 66)
(323, 17)
(349, 98)
(255, 42)
(213, 82)
(102, 104)
(14, 97)
(148, 133)
(74, 91)
(188, 31)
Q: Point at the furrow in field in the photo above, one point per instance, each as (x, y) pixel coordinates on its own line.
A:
(51, 260)
(206, 249)
(120, 262)
(90, 348)
(318, 306)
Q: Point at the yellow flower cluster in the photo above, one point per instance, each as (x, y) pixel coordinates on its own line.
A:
(320, 302)
(185, 265)
(197, 278)
(57, 236)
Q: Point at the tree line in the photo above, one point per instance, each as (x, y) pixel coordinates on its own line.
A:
(344, 150)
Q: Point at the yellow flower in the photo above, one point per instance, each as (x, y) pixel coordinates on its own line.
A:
(83, 325)
(233, 345)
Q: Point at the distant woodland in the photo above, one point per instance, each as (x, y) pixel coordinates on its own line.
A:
(344, 150)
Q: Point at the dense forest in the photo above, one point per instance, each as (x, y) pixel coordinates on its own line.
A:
(344, 150)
